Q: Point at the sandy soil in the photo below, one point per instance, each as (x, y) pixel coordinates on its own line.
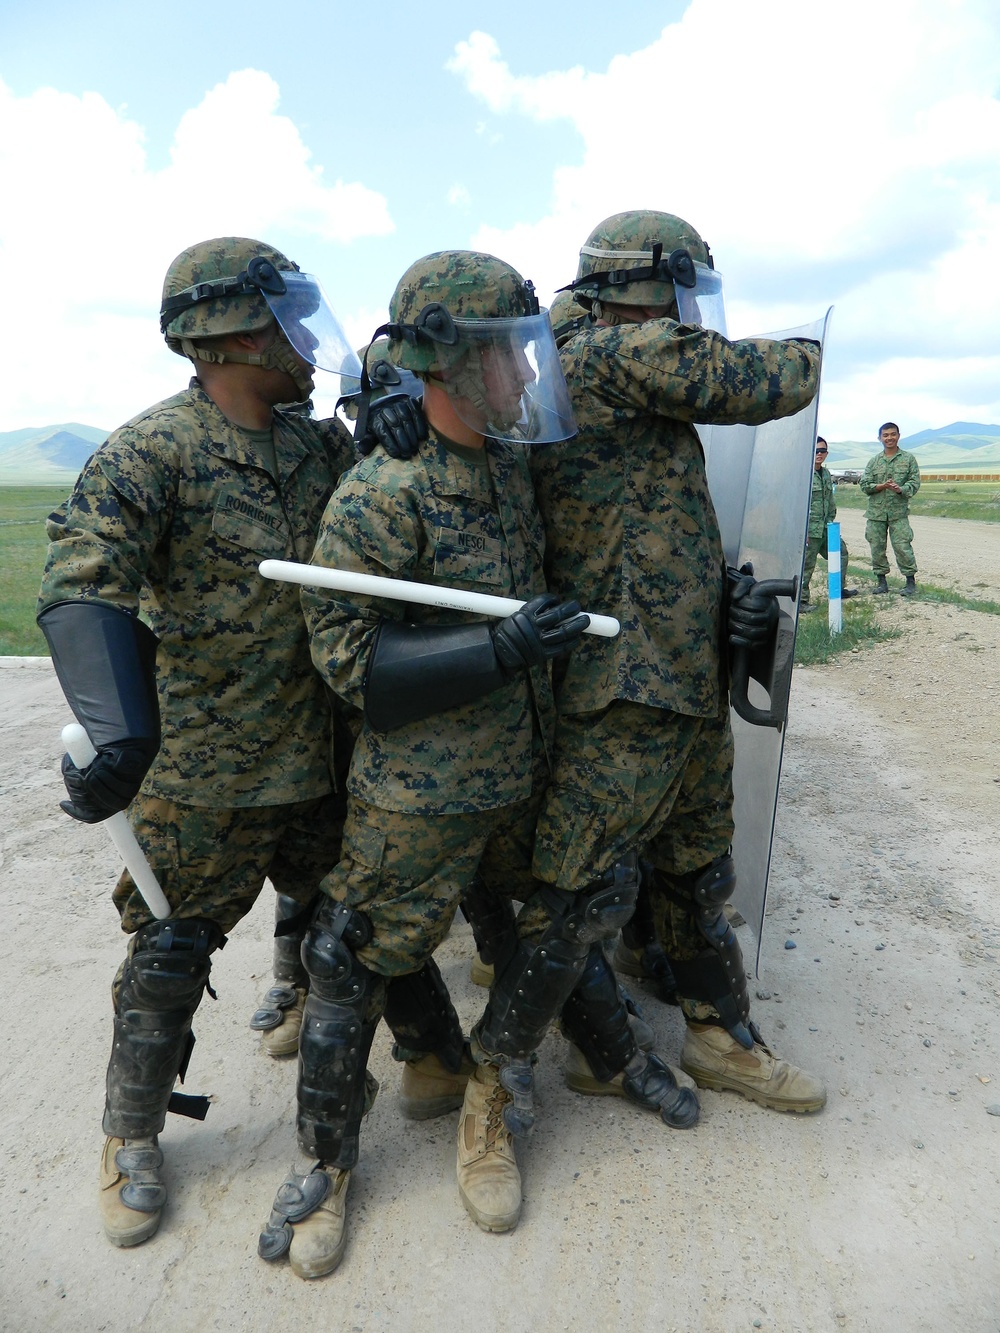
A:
(881, 1213)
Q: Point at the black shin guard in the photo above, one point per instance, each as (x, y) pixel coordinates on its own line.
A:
(492, 920)
(595, 1019)
(717, 977)
(422, 1018)
(291, 923)
(162, 984)
(291, 920)
(648, 1082)
(535, 983)
(342, 1011)
(639, 935)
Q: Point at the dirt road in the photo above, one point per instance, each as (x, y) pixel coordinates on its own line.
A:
(882, 1213)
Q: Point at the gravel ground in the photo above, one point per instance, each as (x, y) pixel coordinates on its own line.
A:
(880, 1213)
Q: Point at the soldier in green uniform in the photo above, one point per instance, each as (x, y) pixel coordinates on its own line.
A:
(644, 749)
(822, 510)
(190, 672)
(890, 479)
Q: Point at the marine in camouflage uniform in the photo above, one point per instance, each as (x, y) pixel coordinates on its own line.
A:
(451, 763)
(890, 480)
(644, 750)
(822, 510)
(224, 743)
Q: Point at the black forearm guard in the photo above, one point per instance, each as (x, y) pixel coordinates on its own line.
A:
(105, 660)
(415, 671)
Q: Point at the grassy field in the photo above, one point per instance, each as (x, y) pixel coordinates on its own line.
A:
(815, 645)
(23, 511)
(940, 499)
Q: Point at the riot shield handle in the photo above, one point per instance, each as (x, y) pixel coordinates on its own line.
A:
(770, 664)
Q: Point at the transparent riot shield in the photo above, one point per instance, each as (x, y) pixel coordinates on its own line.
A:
(761, 481)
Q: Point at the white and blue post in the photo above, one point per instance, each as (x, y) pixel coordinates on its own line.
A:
(834, 581)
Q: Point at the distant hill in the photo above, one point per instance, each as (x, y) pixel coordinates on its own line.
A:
(55, 454)
(960, 434)
(36, 455)
(964, 446)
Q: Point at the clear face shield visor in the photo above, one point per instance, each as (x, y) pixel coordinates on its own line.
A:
(702, 303)
(505, 379)
(299, 304)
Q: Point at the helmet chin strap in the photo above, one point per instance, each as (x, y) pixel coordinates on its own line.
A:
(599, 311)
(277, 356)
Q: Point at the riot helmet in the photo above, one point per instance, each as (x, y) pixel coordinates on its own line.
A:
(472, 323)
(236, 285)
(566, 317)
(645, 258)
(379, 379)
(387, 378)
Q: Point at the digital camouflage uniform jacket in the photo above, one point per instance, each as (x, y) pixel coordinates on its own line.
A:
(171, 517)
(435, 518)
(886, 505)
(822, 504)
(630, 526)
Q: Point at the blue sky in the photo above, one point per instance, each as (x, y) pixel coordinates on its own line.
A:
(840, 154)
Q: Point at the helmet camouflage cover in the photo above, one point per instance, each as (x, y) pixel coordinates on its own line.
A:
(471, 323)
(222, 260)
(469, 285)
(634, 258)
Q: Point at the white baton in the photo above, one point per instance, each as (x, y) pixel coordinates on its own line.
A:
(82, 752)
(401, 590)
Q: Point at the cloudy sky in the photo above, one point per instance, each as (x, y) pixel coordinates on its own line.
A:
(835, 152)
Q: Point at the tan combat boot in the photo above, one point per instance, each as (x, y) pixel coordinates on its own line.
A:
(284, 1039)
(319, 1240)
(134, 1169)
(428, 1088)
(716, 1060)
(480, 973)
(488, 1179)
(629, 962)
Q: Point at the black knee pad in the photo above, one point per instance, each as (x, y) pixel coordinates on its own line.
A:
(170, 965)
(328, 950)
(599, 911)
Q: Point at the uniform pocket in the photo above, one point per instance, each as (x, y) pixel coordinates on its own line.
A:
(461, 556)
(238, 520)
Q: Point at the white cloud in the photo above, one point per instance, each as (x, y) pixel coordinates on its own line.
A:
(459, 197)
(844, 154)
(89, 230)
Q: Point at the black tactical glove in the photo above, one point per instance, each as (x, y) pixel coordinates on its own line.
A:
(543, 628)
(108, 784)
(396, 422)
(751, 616)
